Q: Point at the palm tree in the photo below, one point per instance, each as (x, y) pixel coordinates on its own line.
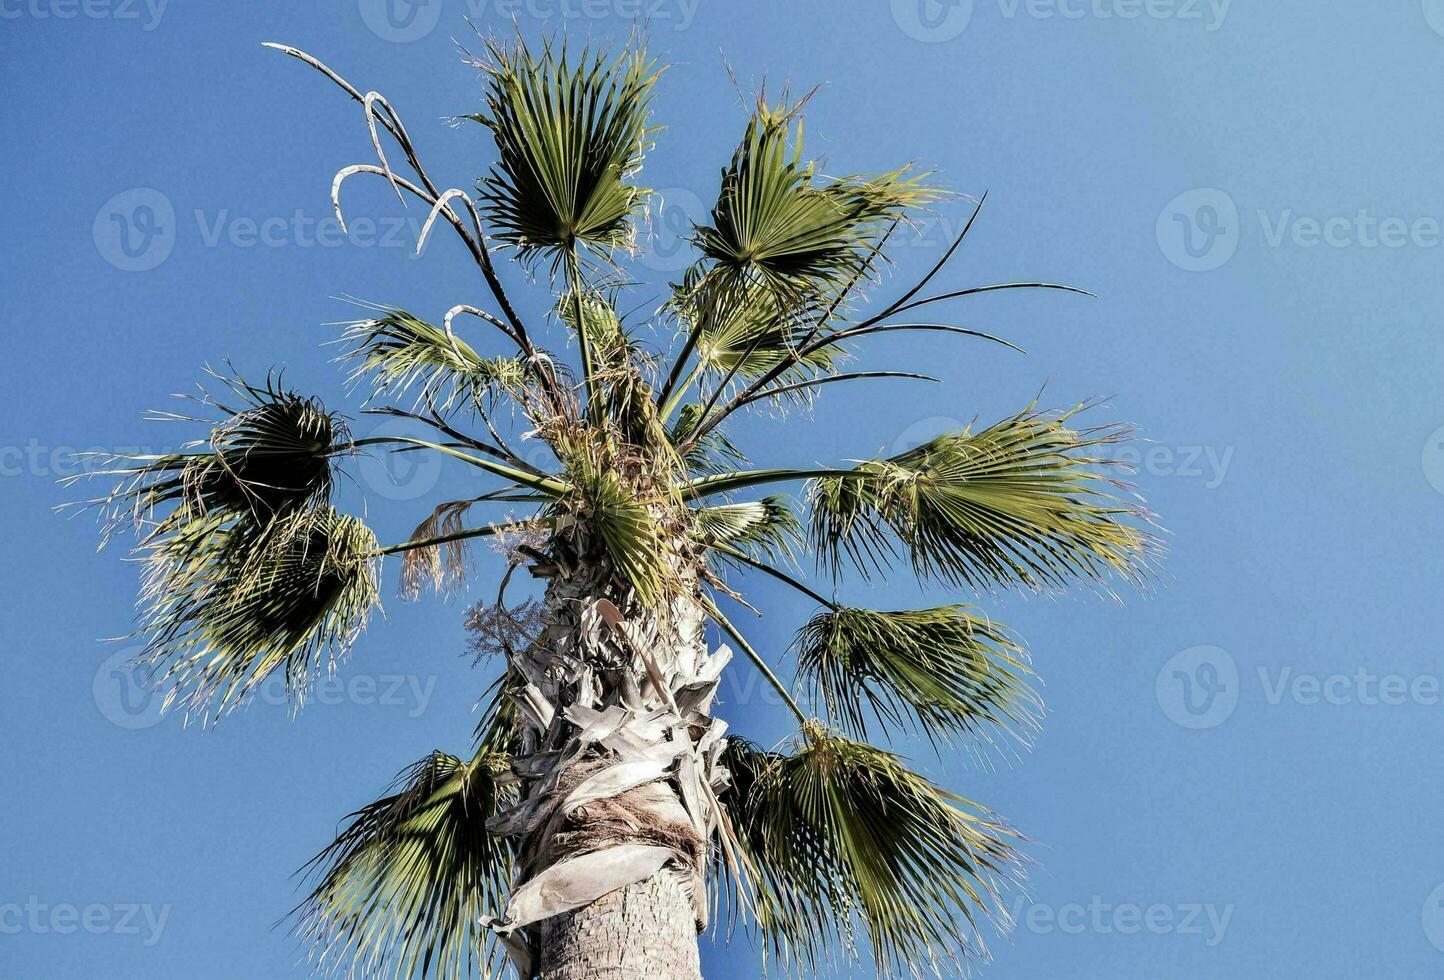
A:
(604, 813)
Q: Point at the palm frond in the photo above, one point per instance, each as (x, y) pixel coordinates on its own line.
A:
(945, 669)
(228, 604)
(745, 329)
(775, 223)
(399, 351)
(443, 564)
(498, 730)
(765, 529)
(709, 455)
(1024, 502)
(570, 132)
(270, 454)
(625, 398)
(628, 528)
(402, 890)
(840, 835)
(604, 330)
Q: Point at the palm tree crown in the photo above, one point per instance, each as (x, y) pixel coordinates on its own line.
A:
(603, 712)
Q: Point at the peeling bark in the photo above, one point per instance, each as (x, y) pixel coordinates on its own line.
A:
(619, 768)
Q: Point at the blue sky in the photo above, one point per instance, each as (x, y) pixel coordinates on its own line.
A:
(1238, 775)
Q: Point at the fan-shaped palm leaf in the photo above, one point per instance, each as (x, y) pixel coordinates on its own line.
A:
(269, 455)
(948, 669)
(776, 224)
(228, 604)
(403, 889)
(628, 529)
(840, 834)
(744, 329)
(570, 132)
(1024, 502)
(764, 529)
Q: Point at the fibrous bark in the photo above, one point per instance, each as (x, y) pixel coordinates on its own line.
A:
(639, 932)
(618, 767)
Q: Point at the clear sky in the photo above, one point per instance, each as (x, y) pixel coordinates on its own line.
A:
(1239, 775)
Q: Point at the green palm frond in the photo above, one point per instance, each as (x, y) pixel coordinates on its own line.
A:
(628, 529)
(744, 329)
(270, 454)
(712, 454)
(764, 529)
(625, 397)
(570, 133)
(951, 671)
(226, 605)
(402, 890)
(398, 351)
(840, 835)
(498, 730)
(775, 223)
(1024, 502)
(609, 342)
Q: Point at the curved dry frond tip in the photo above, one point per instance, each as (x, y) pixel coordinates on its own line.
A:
(228, 604)
(775, 223)
(841, 838)
(404, 888)
(945, 670)
(270, 454)
(399, 351)
(1026, 502)
(570, 132)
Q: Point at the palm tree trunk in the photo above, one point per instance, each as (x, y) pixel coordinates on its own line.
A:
(644, 931)
(619, 769)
